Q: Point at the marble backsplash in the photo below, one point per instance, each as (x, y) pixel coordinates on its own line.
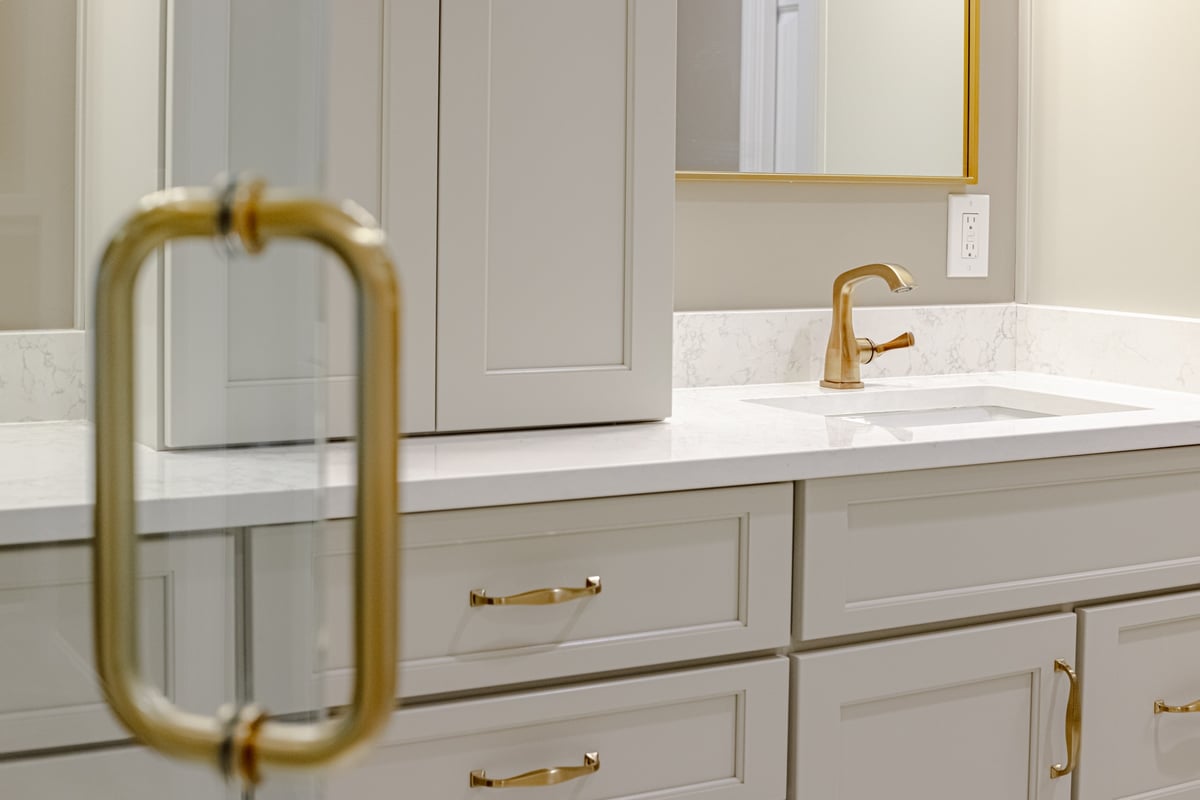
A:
(41, 376)
(720, 348)
(1141, 349)
(42, 372)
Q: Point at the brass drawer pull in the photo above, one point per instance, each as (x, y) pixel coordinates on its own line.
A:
(539, 777)
(539, 597)
(248, 740)
(1074, 722)
(1161, 707)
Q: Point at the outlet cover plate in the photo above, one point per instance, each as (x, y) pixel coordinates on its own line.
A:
(967, 235)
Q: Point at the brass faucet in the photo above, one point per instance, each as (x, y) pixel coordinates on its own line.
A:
(846, 351)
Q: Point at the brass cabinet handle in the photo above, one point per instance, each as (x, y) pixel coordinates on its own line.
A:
(539, 597)
(1074, 722)
(242, 742)
(1161, 707)
(538, 777)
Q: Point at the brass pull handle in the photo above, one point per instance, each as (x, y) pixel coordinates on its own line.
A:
(1161, 707)
(243, 742)
(539, 597)
(538, 777)
(1074, 722)
(901, 341)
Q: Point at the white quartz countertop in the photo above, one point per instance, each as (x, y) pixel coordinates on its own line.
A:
(714, 438)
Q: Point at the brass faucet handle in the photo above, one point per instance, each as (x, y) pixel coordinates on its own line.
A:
(905, 339)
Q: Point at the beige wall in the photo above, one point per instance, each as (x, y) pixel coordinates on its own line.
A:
(775, 245)
(1113, 155)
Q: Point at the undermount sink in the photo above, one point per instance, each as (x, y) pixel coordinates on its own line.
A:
(913, 408)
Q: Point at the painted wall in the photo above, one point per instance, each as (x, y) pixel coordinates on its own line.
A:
(1114, 110)
(776, 245)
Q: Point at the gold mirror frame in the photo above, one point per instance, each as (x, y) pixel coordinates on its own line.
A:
(970, 134)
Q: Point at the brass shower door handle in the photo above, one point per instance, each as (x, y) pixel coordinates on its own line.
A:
(538, 777)
(247, 741)
(1074, 723)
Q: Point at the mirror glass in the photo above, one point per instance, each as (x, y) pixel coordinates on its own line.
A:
(37, 164)
(826, 87)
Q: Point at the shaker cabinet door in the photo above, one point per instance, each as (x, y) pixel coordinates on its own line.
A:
(1133, 655)
(556, 204)
(978, 713)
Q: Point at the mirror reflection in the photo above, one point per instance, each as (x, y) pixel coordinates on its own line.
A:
(824, 87)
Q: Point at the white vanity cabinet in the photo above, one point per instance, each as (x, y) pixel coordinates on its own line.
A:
(50, 698)
(520, 154)
(978, 712)
(1133, 654)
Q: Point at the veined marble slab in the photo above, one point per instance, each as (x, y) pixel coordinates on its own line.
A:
(41, 376)
(724, 348)
(1158, 352)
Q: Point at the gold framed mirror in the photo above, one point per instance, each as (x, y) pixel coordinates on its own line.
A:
(847, 91)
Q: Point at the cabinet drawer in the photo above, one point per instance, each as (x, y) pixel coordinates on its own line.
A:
(978, 713)
(886, 551)
(126, 773)
(682, 576)
(1133, 654)
(719, 733)
(49, 695)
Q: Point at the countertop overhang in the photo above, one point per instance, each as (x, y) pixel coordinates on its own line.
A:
(713, 439)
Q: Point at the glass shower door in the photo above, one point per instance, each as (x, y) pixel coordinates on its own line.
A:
(234, 309)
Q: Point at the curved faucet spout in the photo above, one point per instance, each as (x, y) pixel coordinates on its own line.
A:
(898, 278)
(846, 351)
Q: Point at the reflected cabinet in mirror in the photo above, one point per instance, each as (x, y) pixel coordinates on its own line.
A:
(855, 90)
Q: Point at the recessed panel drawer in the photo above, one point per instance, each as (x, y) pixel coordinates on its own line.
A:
(719, 733)
(893, 550)
(125, 773)
(680, 576)
(49, 695)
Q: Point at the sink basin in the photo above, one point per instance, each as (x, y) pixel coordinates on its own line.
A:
(958, 405)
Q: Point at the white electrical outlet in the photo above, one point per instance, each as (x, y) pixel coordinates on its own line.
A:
(967, 236)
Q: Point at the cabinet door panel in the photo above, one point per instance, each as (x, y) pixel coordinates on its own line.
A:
(556, 195)
(256, 349)
(50, 697)
(977, 712)
(1131, 655)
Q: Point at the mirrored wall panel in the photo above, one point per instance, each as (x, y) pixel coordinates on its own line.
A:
(827, 88)
(37, 164)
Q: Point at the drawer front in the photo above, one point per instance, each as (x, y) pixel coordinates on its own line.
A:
(50, 696)
(886, 551)
(979, 712)
(1133, 654)
(718, 733)
(126, 773)
(682, 576)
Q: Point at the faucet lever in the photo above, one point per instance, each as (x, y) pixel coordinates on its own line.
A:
(905, 339)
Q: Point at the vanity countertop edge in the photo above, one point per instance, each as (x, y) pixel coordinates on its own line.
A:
(713, 439)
